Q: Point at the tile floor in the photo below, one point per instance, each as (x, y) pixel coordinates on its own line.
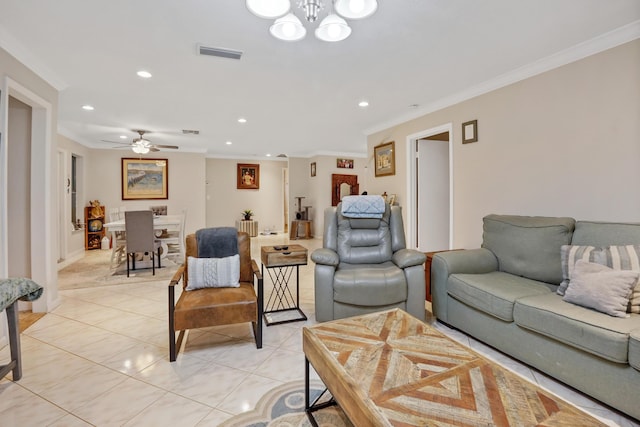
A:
(101, 359)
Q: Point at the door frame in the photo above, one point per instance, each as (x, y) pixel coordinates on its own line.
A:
(43, 192)
(411, 158)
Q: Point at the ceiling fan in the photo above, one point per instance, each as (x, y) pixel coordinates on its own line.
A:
(142, 145)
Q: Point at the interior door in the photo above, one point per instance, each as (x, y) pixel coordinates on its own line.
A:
(433, 195)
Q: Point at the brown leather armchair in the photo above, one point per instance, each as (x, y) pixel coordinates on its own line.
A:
(206, 307)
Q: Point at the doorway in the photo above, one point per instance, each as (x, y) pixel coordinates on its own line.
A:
(430, 207)
(28, 221)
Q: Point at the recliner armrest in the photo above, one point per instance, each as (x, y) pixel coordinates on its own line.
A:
(408, 258)
(325, 256)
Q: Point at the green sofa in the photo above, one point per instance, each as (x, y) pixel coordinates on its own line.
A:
(504, 294)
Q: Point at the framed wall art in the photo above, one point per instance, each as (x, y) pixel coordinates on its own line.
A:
(313, 168)
(145, 179)
(470, 132)
(385, 159)
(248, 176)
(344, 163)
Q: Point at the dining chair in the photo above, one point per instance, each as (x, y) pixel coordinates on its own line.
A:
(175, 240)
(140, 238)
(118, 238)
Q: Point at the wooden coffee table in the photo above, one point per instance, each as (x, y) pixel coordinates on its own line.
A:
(391, 369)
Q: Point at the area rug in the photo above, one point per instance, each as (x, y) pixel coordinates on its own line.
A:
(283, 406)
(94, 269)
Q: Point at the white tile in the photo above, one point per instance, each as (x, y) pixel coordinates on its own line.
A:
(82, 388)
(171, 410)
(214, 419)
(20, 407)
(245, 396)
(120, 404)
(283, 365)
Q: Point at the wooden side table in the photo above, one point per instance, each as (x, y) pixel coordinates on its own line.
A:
(427, 271)
(282, 306)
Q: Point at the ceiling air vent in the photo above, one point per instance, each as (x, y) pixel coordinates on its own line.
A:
(218, 51)
(190, 132)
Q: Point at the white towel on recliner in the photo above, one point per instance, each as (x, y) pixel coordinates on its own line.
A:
(363, 206)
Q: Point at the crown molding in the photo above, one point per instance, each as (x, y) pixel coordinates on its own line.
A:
(22, 54)
(582, 50)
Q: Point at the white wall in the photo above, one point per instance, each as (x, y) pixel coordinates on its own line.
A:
(225, 202)
(24, 85)
(317, 189)
(562, 143)
(75, 238)
(19, 194)
(186, 173)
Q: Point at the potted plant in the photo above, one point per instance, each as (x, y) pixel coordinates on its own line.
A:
(247, 213)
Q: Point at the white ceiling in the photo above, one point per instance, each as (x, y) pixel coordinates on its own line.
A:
(300, 98)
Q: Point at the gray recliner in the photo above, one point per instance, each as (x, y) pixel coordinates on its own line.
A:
(364, 267)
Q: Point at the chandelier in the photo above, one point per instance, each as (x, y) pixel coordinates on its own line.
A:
(332, 28)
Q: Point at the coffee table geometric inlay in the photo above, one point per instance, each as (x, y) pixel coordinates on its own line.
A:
(391, 369)
(282, 306)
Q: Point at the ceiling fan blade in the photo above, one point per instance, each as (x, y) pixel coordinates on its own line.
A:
(173, 147)
(153, 149)
(115, 142)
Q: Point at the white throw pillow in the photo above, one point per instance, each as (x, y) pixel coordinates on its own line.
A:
(213, 272)
(601, 288)
(569, 255)
(625, 257)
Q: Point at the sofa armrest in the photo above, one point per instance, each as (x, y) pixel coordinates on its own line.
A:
(444, 264)
(408, 258)
(325, 256)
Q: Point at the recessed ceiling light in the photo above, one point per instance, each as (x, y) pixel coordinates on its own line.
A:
(123, 136)
(242, 120)
(268, 155)
(363, 104)
(88, 107)
(144, 74)
(228, 142)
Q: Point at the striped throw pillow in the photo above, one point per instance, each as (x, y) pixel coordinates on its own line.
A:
(625, 258)
(570, 254)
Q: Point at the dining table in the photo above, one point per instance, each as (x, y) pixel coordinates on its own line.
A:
(160, 223)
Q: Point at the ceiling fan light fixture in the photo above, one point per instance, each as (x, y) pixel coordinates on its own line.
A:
(140, 148)
(333, 29)
(288, 28)
(355, 9)
(268, 9)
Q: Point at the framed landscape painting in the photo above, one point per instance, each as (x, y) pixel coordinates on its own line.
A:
(145, 179)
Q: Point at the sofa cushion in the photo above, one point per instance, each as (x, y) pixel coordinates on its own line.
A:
(634, 348)
(528, 246)
(369, 285)
(602, 234)
(597, 333)
(601, 288)
(493, 293)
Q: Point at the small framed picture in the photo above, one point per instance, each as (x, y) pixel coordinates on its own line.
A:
(385, 160)
(313, 168)
(345, 163)
(470, 132)
(248, 176)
